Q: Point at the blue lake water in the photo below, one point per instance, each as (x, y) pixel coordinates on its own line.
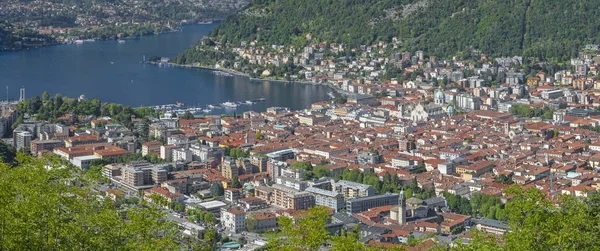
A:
(111, 71)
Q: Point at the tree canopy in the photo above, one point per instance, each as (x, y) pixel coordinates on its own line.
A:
(439, 27)
(45, 205)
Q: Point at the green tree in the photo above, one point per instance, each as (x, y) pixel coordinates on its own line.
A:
(235, 182)
(251, 223)
(209, 218)
(61, 216)
(216, 189)
(321, 171)
(308, 233)
(187, 116)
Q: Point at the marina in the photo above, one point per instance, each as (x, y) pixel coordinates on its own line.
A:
(180, 108)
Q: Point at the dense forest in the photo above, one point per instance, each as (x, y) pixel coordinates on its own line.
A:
(545, 28)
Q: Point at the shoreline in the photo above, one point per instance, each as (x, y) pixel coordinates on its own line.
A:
(241, 74)
(179, 28)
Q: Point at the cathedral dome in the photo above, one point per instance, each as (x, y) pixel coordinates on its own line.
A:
(440, 95)
(414, 201)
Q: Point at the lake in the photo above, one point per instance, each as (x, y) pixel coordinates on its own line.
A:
(113, 72)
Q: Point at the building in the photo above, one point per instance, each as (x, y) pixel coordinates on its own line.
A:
(327, 198)
(37, 146)
(166, 152)
(363, 99)
(23, 140)
(83, 140)
(353, 190)
(109, 152)
(163, 192)
(152, 147)
(358, 205)
(259, 162)
(204, 152)
(311, 120)
(492, 226)
(213, 206)
(264, 221)
(252, 203)
(427, 112)
(83, 162)
(111, 171)
(137, 175)
(290, 198)
(229, 168)
(467, 101)
(233, 194)
(233, 220)
(181, 155)
(447, 168)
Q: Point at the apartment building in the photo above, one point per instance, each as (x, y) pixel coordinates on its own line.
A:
(290, 198)
(353, 190)
(327, 198)
(358, 205)
(233, 220)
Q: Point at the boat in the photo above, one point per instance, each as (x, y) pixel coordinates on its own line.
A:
(229, 105)
(212, 106)
(249, 102)
(178, 104)
(222, 73)
(90, 40)
(121, 41)
(206, 111)
(79, 41)
(331, 94)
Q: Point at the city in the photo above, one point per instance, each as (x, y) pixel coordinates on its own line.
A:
(408, 148)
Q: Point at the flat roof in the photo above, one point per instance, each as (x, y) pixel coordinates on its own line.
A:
(88, 157)
(212, 204)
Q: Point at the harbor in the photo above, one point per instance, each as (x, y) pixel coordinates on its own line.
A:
(180, 108)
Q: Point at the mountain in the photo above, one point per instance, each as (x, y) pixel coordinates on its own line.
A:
(541, 28)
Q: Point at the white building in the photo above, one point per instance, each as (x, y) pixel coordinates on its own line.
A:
(233, 220)
(182, 155)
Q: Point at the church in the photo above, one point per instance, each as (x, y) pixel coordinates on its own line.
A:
(412, 209)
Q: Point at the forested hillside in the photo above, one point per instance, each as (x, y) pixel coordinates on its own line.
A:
(542, 28)
(15, 39)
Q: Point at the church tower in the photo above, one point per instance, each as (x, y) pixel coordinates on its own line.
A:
(402, 209)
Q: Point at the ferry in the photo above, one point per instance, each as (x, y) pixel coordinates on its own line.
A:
(230, 105)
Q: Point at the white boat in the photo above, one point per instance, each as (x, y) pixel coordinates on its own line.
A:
(249, 102)
(121, 41)
(229, 105)
(79, 41)
(90, 40)
(212, 106)
(206, 111)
